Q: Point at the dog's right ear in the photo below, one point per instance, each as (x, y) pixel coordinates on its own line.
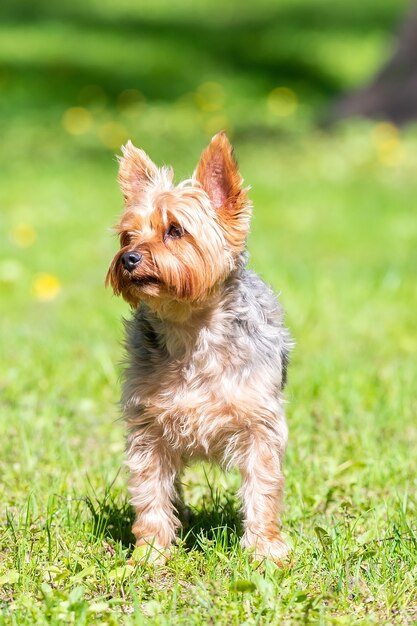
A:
(218, 172)
(136, 171)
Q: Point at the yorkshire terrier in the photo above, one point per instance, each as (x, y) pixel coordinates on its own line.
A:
(207, 347)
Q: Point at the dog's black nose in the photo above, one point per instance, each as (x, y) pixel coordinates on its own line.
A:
(130, 260)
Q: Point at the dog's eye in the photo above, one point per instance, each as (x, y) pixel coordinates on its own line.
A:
(125, 239)
(174, 231)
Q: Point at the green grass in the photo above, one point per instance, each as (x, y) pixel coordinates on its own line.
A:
(334, 231)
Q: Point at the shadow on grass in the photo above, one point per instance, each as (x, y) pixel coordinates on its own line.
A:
(111, 519)
(217, 521)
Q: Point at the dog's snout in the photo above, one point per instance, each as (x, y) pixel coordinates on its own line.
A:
(130, 260)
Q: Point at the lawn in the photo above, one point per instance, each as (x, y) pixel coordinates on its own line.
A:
(334, 231)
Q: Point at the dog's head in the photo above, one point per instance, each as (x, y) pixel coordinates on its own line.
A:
(178, 242)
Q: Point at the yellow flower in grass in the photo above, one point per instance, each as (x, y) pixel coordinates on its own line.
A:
(23, 235)
(46, 287)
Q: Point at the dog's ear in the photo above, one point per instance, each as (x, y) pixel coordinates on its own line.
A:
(136, 170)
(218, 173)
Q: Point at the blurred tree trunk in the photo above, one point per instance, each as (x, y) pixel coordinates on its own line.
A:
(392, 94)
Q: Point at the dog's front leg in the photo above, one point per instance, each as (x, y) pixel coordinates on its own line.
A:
(153, 469)
(261, 493)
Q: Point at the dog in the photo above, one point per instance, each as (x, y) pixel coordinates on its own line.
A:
(206, 345)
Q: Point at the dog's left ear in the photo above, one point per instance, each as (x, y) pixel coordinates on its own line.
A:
(218, 173)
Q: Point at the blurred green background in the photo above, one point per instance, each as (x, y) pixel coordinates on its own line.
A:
(79, 78)
(334, 230)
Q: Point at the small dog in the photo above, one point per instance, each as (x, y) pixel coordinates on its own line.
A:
(207, 347)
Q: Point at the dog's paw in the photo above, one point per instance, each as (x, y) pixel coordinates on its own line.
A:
(149, 554)
(273, 548)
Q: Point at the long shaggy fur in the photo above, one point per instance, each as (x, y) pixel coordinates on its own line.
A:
(207, 347)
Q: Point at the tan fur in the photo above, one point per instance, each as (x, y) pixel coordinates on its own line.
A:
(191, 393)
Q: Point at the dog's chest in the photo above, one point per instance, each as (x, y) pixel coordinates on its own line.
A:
(198, 402)
(201, 385)
(201, 396)
(216, 369)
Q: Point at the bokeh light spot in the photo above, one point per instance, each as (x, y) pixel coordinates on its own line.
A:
(389, 149)
(282, 101)
(46, 287)
(130, 101)
(113, 135)
(77, 120)
(23, 235)
(209, 97)
(385, 131)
